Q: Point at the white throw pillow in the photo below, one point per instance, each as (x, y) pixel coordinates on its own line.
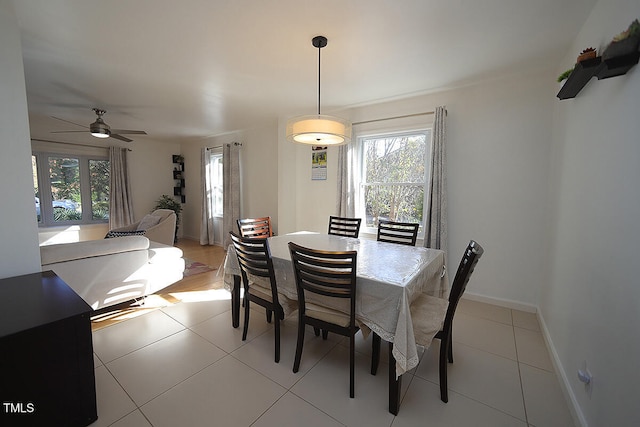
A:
(148, 221)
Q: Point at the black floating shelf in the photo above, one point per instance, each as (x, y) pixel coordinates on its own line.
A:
(599, 67)
(617, 66)
(580, 76)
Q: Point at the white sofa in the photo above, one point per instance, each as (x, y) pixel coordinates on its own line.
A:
(110, 271)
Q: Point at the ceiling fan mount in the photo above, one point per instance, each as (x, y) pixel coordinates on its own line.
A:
(100, 129)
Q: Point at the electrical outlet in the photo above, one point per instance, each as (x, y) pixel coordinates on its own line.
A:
(585, 376)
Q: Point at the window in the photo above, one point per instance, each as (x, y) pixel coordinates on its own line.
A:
(394, 178)
(70, 189)
(216, 172)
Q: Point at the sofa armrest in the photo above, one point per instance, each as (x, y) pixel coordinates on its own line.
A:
(51, 254)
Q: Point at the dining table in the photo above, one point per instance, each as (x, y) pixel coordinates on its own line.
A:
(389, 277)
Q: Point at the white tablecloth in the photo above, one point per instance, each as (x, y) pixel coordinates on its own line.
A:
(389, 278)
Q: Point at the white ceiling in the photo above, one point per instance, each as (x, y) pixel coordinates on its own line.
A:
(184, 70)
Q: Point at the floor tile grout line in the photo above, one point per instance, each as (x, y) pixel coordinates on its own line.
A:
(471, 398)
(140, 348)
(524, 402)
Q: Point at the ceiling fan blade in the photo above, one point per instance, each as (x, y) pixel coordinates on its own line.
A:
(130, 132)
(120, 137)
(69, 131)
(67, 121)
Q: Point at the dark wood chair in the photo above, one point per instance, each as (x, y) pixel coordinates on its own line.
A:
(426, 304)
(403, 233)
(256, 265)
(348, 227)
(330, 276)
(255, 228)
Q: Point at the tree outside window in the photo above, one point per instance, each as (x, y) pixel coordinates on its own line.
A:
(394, 178)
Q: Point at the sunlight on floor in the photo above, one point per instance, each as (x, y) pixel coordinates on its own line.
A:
(208, 295)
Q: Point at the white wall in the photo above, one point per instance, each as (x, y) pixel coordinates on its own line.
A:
(498, 148)
(151, 173)
(591, 305)
(19, 253)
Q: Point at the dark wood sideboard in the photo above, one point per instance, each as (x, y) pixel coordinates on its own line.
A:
(46, 353)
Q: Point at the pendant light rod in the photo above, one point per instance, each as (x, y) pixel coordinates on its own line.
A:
(319, 42)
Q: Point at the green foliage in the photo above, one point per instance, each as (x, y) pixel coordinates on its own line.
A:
(61, 214)
(65, 178)
(565, 75)
(395, 174)
(100, 211)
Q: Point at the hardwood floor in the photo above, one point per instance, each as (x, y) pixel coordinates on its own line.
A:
(212, 256)
(189, 287)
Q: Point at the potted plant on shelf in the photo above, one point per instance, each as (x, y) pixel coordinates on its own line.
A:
(588, 53)
(624, 43)
(166, 202)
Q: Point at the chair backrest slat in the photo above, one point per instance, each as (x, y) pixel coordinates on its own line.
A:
(331, 274)
(254, 257)
(255, 227)
(348, 227)
(403, 233)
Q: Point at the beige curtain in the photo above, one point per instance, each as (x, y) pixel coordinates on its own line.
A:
(231, 189)
(435, 235)
(206, 227)
(120, 203)
(348, 170)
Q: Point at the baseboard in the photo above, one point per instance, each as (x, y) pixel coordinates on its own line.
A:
(563, 379)
(515, 305)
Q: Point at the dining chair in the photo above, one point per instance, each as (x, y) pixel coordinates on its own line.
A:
(325, 280)
(428, 313)
(348, 227)
(255, 228)
(403, 233)
(256, 266)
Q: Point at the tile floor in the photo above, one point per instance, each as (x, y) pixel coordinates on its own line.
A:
(184, 365)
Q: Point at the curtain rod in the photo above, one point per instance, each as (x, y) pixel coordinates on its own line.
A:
(70, 143)
(237, 144)
(426, 113)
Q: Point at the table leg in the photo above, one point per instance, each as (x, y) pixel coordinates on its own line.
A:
(395, 384)
(235, 302)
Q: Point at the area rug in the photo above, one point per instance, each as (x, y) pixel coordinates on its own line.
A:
(192, 267)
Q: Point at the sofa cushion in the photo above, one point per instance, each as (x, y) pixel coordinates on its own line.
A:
(50, 254)
(148, 221)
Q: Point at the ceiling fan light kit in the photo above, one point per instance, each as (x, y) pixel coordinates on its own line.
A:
(318, 129)
(99, 128)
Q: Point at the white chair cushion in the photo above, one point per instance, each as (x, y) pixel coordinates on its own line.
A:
(326, 314)
(259, 291)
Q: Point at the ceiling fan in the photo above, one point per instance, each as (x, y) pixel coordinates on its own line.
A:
(100, 129)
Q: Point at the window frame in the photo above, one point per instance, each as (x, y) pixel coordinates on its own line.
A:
(44, 187)
(360, 176)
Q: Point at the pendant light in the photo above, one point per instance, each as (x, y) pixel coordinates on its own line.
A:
(319, 129)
